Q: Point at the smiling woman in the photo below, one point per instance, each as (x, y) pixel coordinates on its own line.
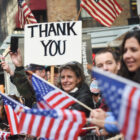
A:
(72, 81)
(130, 63)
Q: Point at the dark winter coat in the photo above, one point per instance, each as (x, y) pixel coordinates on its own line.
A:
(84, 95)
(23, 86)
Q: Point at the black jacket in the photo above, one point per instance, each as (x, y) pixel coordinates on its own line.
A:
(84, 95)
(25, 89)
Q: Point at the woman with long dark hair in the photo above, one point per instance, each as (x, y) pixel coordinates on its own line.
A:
(130, 52)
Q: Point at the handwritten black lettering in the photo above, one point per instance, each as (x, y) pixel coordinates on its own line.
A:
(32, 29)
(53, 47)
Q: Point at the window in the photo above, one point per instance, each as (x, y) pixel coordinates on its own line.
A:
(40, 15)
(133, 8)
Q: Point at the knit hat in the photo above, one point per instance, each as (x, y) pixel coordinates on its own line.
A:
(94, 87)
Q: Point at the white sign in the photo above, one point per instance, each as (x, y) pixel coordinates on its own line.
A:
(138, 7)
(53, 43)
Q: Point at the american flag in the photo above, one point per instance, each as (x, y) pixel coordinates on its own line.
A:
(49, 96)
(12, 108)
(24, 13)
(104, 11)
(4, 135)
(123, 98)
(59, 124)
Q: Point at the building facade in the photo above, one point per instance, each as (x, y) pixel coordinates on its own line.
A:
(62, 10)
(7, 19)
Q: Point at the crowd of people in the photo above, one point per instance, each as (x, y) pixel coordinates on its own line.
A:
(70, 78)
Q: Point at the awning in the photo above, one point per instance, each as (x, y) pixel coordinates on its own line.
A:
(102, 37)
(37, 4)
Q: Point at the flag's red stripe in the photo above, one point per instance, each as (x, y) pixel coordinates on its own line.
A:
(50, 128)
(2, 137)
(22, 121)
(60, 101)
(111, 7)
(116, 7)
(53, 96)
(74, 116)
(23, 4)
(32, 121)
(24, 9)
(9, 120)
(128, 109)
(68, 104)
(80, 126)
(41, 123)
(137, 122)
(60, 126)
(119, 7)
(41, 105)
(18, 112)
(26, 13)
(7, 135)
(107, 5)
(16, 119)
(116, 11)
(70, 125)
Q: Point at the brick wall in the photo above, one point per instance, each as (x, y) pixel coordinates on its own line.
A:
(122, 18)
(61, 10)
(8, 10)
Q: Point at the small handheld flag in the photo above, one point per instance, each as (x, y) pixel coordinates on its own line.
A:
(123, 98)
(52, 124)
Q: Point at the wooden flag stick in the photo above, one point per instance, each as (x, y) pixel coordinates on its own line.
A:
(5, 53)
(28, 21)
(89, 66)
(92, 127)
(30, 72)
(52, 74)
(79, 13)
